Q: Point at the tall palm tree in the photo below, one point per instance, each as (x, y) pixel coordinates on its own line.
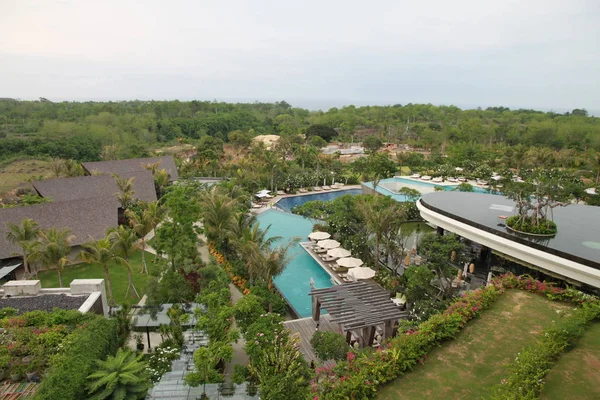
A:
(251, 243)
(124, 241)
(119, 377)
(595, 161)
(518, 154)
(217, 213)
(143, 222)
(101, 252)
(541, 156)
(126, 192)
(379, 219)
(54, 250)
(272, 262)
(23, 234)
(161, 180)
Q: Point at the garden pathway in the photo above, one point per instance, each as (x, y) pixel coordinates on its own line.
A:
(239, 354)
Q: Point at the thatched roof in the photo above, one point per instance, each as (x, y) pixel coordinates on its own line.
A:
(124, 168)
(86, 218)
(85, 187)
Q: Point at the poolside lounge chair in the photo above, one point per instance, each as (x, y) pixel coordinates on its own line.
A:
(438, 179)
(302, 190)
(426, 178)
(280, 192)
(317, 189)
(326, 187)
(335, 186)
(319, 250)
(415, 176)
(254, 205)
(452, 180)
(329, 258)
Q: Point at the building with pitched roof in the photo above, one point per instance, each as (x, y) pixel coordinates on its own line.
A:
(86, 218)
(84, 187)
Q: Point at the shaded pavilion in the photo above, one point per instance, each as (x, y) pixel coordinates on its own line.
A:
(359, 308)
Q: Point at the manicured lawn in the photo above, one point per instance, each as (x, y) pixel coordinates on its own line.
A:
(469, 365)
(118, 276)
(576, 374)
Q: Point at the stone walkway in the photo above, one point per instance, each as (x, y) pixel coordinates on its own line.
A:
(239, 354)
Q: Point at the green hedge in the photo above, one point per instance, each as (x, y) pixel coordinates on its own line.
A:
(527, 371)
(66, 377)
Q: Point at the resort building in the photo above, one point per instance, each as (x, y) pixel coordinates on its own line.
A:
(572, 255)
(130, 167)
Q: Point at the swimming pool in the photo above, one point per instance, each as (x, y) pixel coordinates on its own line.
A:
(391, 186)
(288, 203)
(294, 281)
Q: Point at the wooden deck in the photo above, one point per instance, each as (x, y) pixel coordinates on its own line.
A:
(306, 327)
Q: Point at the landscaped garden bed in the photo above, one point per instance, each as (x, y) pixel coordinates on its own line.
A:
(477, 358)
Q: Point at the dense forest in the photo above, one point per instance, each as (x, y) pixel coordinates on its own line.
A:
(80, 131)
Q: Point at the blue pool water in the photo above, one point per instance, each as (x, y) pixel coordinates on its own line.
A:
(294, 281)
(391, 185)
(290, 202)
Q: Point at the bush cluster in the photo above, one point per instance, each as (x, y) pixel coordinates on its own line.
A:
(527, 371)
(542, 227)
(66, 377)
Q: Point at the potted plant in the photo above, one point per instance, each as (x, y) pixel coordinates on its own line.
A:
(4, 363)
(16, 369)
(33, 369)
(139, 344)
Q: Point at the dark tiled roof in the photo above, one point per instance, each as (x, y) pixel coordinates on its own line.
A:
(125, 167)
(86, 218)
(84, 187)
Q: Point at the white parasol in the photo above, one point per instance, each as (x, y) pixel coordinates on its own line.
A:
(328, 244)
(338, 252)
(349, 262)
(361, 273)
(319, 235)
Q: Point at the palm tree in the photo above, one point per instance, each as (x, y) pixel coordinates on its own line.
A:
(122, 377)
(124, 241)
(54, 250)
(272, 262)
(379, 219)
(161, 180)
(56, 166)
(595, 161)
(101, 252)
(23, 235)
(541, 156)
(251, 243)
(126, 192)
(218, 211)
(143, 222)
(518, 154)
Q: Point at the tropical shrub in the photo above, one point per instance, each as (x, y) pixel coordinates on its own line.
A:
(160, 361)
(527, 225)
(68, 370)
(329, 345)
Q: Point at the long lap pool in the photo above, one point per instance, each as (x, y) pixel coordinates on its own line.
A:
(287, 203)
(294, 281)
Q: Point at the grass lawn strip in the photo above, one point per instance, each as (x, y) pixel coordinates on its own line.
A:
(476, 360)
(576, 375)
(118, 276)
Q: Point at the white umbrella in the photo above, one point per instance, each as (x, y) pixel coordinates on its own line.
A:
(328, 244)
(319, 235)
(338, 252)
(361, 273)
(261, 195)
(264, 191)
(458, 169)
(349, 262)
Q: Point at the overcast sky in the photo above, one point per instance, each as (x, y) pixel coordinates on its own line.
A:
(524, 53)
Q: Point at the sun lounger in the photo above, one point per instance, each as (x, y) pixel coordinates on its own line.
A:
(280, 192)
(326, 187)
(415, 176)
(319, 250)
(335, 186)
(254, 205)
(329, 258)
(426, 178)
(438, 179)
(317, 189)
(302, 190)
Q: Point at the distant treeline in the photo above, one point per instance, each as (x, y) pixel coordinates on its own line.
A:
(79, 130)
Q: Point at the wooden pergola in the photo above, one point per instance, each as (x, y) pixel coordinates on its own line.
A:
(359, 308)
